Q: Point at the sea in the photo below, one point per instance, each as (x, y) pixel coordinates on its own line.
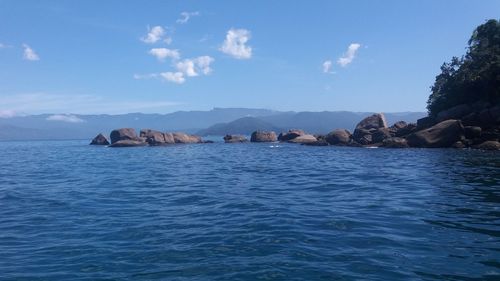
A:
(253, 211)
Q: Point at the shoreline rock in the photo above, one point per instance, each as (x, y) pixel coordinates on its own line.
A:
(263, 136)
(100, 139)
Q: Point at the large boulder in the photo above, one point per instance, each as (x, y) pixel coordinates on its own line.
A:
(304, 139)
(185, 138)
(374, 121)
(100, 139)
(123, 134)
(456, 112)
(263, 136)
(380, 135)
(128, 143)
(339, 137)
(291, 134)
(443, 134)
(425, 122)
(153, 137)
(234, 138)
(169, 137)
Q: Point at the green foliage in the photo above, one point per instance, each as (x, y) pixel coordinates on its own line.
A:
(473, 77)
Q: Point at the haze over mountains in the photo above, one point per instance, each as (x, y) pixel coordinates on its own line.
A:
(218, 121)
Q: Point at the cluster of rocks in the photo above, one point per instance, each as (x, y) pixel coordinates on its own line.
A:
(463, 126)
(127, 137)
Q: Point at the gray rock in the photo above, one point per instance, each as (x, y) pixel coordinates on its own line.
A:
(185, 138)
(263, 136)
(100, 139)
(153, 137)
(395, 142)
(339, 137)
(374, 121)
(425, 122)
(291, 134)
(123, 134)
(304, 139)
(488, 145)
(234, 138)
(380, 135)
(443, 134)
(128, 143)
(169, 138)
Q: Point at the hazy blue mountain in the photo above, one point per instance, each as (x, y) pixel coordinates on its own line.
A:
(242, 126)
(74, 126)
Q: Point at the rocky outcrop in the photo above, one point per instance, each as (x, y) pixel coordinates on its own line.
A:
(100, 139)
(395, 142)
(339, 137)
(123, 134)
(291, 134)
(303, 139)
(425, 122)
(235, 139)
(372, 129)
(443, 134)
(185, 138)
(401, 128)
(155, 138)
(263, 136)
(456, 112)
(488, 145)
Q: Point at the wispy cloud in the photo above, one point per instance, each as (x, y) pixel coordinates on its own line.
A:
(162, 53)
(185, 16)
(7, 113)
(327, 66)
(69, 118)
(29, 53)
(176, 77)
(155, 34)
(349, 55)
(235, 44)
(185, 68)
(38, 103)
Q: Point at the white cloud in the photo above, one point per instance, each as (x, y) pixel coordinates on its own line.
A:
(65, 118)
(29, 54)
(7, 113)
(185, 16)
(162, 53)
(156, 34)
(348, 56)
(145, 76)
(327, 66)
(192, 67)
(235, 44)
(38, 103)
(176, 77)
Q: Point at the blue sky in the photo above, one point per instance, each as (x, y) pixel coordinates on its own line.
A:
(164, 56)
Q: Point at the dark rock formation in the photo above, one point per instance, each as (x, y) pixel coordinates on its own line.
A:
(339, 137)
(426, 122)
(380, 135)
(395, 142)
(443, 134)
(472, 132)
(372, 129)
(100, 139)
(234, 138)
(456, 112)
(304, 139)
(185, 138)
(291, 134)
(155, 138)
(263, 136)
(123, 134)
(488, 145)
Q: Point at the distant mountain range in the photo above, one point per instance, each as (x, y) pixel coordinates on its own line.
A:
(218, 121)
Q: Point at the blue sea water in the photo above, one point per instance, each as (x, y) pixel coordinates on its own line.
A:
(70, 211)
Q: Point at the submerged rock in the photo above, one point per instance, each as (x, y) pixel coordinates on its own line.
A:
(395, 142)
(263, 136)
(443, 134)
(100, 139)
(234, 138)
(488, 145)
(128, 143)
